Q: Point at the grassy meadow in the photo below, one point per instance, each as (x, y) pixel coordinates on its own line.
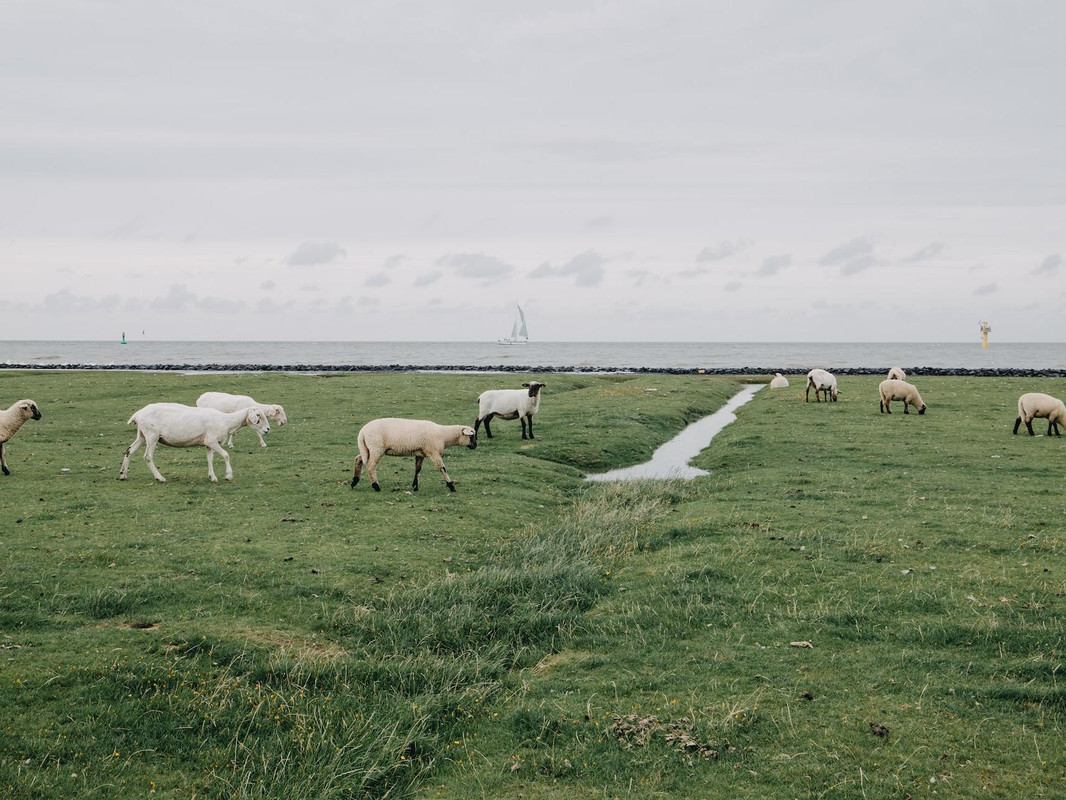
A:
(851, 605)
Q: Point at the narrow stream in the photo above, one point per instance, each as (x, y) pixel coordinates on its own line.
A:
(671, 459)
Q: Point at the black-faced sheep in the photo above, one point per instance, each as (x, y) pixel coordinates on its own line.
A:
(900, 390)
(408, 437)
(519, 404)
(1037, 404)
(11, 420)
(823, 383)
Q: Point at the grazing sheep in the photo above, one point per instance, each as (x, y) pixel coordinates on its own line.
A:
(900, 390)
(177, 425)
(11, 420)
(896, 374)
(779, 381)
(408, 437)
(1037, 404)
(822, 382)
(509, 404)
(235, 402)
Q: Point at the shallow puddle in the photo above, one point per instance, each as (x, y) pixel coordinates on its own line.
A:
(671, 459)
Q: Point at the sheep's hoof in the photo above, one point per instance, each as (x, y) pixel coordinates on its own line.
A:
(451, 485)
(161, 480)
(229, 478)
(6, 470)
(375, 486)
(354, 481)
(214, 479)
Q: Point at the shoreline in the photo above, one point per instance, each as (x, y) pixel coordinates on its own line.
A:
(978, 372)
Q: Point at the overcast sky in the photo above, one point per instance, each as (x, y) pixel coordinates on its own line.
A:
(645, 170)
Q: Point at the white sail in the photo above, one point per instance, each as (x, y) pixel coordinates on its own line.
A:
(519, 332)
(522, 331)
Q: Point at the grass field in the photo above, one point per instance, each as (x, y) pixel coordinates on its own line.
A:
(851, 605)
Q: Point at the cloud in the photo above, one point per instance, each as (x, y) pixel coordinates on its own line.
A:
(179, 298)
(377, 279)
(267, 285)
(773, 265)
(543, 271)
(987, 288)
(724, 250)
(476, 266)
(311, 253)
(392, 262)
(856, 249)
(1049, 265)
(66, 301)
(427, 278)
(859, 264)
(931, 250)
(732, 286)
(605, 221)
(586, 267)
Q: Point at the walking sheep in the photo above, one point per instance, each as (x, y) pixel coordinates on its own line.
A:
(408, 437)
(1037, 404)
(900, 390)
(11, 420)
(177, 425)
(509, 404)
(822, 382)
(235, 402)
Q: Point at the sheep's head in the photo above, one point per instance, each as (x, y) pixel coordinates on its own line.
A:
(258, 420)
(277, 413)
(834, 393)
(922, 409)
(29, 409)
(471, 435)
(533, 387)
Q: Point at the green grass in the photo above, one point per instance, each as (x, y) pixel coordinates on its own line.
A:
(531, 634)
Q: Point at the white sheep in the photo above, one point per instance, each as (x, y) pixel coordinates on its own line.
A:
(408, 437)
(896, 374)
(235, 402)
(1037, 404)
(177, 425)
(11, 420)
(509, 404)
(900, 390)
(779, 381)
(822, 382)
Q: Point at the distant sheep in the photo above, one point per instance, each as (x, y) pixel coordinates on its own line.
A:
(897, 374)
(235, 402)
(408, 437)
(823, 383)
(177, 425)
(890, 390)
(1036, 404)
(11, 420)
(509, 404)
(779, 381)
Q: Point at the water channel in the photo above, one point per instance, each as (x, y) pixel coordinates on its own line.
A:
(671, 459)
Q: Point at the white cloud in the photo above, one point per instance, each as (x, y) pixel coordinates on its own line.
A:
(988, 288)
(1050, 264)
(427, 278)
(722, 251)
(310, 254)
(773, 265)
(378, 279)
(476, 266)
(587, 268)
(931, 250)
(854, 250)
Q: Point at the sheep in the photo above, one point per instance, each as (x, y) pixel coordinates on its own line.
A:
(900, 390)
(1036, 404)
(896, 374)
(11, 420)
(235, 402)
(177, 425)
(821, 381)
(779, 381)
(408, 437)
(509, 404)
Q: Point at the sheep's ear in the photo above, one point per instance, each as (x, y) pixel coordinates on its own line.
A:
(468, 431)
(526, 385)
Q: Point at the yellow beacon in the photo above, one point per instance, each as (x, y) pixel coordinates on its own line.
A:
(985, 330)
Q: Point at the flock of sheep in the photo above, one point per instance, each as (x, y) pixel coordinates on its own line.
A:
(217, 416)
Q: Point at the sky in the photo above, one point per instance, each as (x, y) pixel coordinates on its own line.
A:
(641, 170)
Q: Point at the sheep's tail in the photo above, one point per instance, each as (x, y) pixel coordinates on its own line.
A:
(132, 419)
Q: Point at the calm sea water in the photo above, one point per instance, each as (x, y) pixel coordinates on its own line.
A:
(784, 356)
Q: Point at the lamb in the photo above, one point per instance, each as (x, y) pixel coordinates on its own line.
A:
(11, 420)
(509, 404)
(1036, 404)
(900, 390)
(821, 381)
(177, 425)
(408, 437)
(896, 374)
(779, 381)
(235, 402)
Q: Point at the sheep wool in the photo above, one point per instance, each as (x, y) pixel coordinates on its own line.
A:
(822, 382)
(1037, 404)
(520, 404)
(896, 374)
(11, 420)
(420, 438)
(779, 381)
(890, 390)
(235, 402)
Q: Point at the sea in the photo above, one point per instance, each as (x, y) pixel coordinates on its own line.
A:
(786, 357)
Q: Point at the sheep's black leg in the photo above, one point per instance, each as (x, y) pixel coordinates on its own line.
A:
(3, 462)
(418, 468)
(357, 471)
(807, 394)
(1029, 427)
(906, 407)
(487, 431)
(1054, 425)
(530, 426)
(1017, 424)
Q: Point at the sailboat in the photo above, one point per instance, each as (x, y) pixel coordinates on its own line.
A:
(519, 334)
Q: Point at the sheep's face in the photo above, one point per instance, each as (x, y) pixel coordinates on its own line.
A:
(834, 393)
(534, 387)
(922, 409)
(277, 413)
(29, 409)
(472, 436)
(258, 420)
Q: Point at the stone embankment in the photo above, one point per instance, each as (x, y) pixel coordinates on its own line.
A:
(753, 371)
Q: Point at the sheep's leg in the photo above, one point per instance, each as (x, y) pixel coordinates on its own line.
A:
(881, 406)
(487, 431)
(418, 468)
(906, 407)
(530, 418)
(126, 458)
(1029, 426)
(262, 441)
(1054, 425)
(358, 471)
(440, 465)
(212, 448)
(149, 457)
(3, 460)
(372, 470)
(807, 394)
